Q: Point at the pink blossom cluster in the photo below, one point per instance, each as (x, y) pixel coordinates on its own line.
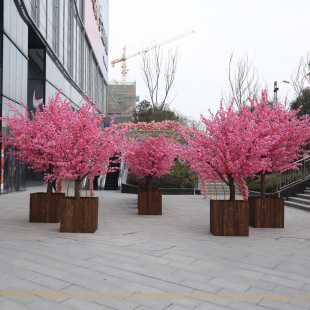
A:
(153, 126)
(281, 131)
(244, 188)
(62, 142)
(150, 156)
(241, 143)
(59, 186)
(35, 136)
(203, 186)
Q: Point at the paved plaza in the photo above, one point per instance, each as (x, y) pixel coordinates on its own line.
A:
(150, 262)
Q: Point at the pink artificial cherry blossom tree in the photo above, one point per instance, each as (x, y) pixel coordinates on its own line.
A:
(284, 135)
(149, 156)
(85, 149)
(61, 142)
(228, 150)
(34, 136)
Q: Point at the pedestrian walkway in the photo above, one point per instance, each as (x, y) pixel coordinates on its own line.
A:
(150, 262)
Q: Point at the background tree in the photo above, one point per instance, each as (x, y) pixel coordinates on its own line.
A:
(158, 73)
(146, 113)
(302, 102)
(301, 77)
(243, 80)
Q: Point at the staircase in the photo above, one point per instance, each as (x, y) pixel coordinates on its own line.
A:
(218, 188)
(111, 181)
(301, 201)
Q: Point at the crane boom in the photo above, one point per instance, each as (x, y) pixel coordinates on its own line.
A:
(124, 57)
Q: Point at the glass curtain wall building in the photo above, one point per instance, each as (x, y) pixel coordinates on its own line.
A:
(46, 46)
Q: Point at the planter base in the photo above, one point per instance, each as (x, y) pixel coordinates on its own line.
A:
(229, 218)
(79, 215)
(155, 200)
(45, 208)
(266, 213)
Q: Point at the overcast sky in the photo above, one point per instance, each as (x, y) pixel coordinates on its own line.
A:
(276, 33)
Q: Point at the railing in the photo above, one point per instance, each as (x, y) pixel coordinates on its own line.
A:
(120, 176)
(290, 176)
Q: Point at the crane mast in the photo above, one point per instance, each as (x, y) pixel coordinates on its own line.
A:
(124, 57)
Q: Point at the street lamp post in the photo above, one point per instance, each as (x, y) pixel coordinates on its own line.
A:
(275, 91)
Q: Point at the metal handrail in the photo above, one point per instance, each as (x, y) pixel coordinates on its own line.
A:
(120, 175)
(291, 176)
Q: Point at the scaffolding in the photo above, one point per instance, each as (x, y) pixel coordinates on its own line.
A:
(121, 98)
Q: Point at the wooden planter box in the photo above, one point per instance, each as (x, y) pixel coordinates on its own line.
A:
(79, 215)
(229, 218)
(155, 201)
(266, 213)
(45, 208)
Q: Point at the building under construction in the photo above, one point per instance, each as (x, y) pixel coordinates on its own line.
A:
(121, 99)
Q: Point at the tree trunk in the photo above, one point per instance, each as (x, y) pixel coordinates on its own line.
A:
(232, 189)
(50, 182)
(148, 185)
(262, 186)
(77, 188)
(50, 187)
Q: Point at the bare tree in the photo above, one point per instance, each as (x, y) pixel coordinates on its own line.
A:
(243, 80)
(301, 77)
(158, 73)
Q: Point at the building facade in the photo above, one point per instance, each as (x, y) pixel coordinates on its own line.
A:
(46, 46)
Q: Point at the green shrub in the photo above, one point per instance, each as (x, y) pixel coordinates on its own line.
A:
(180, 177)
(272, 181)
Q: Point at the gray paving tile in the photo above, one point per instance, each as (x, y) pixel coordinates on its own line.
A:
(205, 286)
(287, 290)
(283, 281)
(240, 287)
(210, 306)
(278, 305)
(188, 303)
(153, 303)
(241, 305)
(306, 287)
(45, 304)
(140, 288)
(81, 304)
(117, 304)
(263, 261)
(50, 283)
(176, 307)
(12, 305)
(292, 267)
(172, 253)
(23, 300)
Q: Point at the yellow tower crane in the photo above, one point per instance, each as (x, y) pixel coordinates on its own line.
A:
(124, 57)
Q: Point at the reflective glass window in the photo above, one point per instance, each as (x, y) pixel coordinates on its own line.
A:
(33, 10)
(43, 17)
(7, 16)
(49, 29)
(13, 18)
(6, 66)
(55, 24)
(13, 71)
(18, 76)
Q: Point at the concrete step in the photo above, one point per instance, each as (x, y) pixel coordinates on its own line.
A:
(304, 196)
(299, 200)
(296, 205)
(307, 191)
